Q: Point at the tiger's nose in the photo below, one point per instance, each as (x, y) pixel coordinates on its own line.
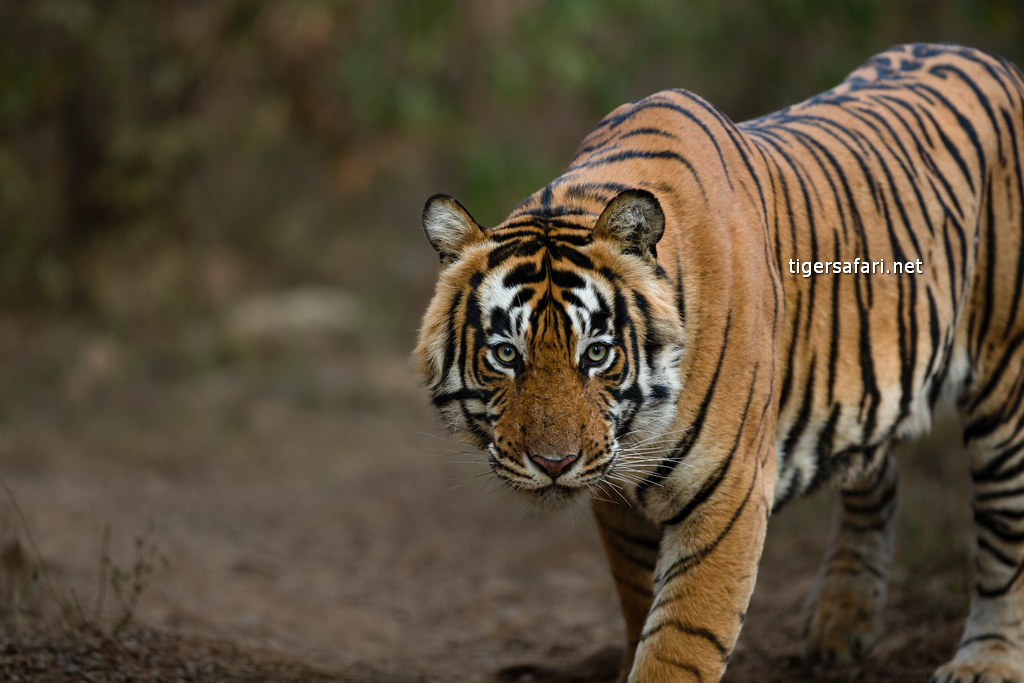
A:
(555, 465)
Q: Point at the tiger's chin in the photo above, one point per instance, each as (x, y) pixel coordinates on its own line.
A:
(555, 497)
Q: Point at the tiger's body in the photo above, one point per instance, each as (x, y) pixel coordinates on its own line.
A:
(636, 328)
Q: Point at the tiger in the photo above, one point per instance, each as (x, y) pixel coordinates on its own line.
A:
(645, 333)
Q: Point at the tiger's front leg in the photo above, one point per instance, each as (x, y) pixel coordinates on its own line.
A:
(631, 542)
(703, 578)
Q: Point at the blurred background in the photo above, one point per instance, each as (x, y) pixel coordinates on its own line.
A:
(212, 270)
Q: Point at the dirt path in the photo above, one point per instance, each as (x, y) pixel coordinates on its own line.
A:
(301, 513)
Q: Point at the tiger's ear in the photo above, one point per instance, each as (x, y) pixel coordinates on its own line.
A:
(449, 227)
(635, 220)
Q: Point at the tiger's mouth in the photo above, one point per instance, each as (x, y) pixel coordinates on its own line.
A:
(551, 480)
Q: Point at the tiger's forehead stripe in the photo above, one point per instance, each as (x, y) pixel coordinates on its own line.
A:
(528, 293)
(539, 281)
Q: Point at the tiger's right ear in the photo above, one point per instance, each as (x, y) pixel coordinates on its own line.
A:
(449, 227)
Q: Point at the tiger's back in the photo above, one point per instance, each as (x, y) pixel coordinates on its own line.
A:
(787, 377)
(914, 159)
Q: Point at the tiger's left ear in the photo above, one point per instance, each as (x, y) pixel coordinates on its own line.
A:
(635, 220)
(449, 227)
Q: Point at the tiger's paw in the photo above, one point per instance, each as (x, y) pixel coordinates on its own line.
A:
(844, 620)
(985, 662)
(964, 672)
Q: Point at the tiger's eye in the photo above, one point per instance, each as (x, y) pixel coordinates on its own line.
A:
(597, 353)
(506, 353)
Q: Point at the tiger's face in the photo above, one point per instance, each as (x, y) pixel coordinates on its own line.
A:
(553, 349)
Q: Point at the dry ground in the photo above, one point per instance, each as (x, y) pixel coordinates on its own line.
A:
(310, 534)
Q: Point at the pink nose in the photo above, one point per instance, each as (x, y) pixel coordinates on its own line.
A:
(554, 465)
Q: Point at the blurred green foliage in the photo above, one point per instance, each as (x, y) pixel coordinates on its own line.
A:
(190, 146)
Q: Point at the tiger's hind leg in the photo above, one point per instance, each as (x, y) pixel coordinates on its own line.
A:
(844, 610)
(991, 649)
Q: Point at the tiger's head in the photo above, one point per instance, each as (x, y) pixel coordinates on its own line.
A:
(552, 344)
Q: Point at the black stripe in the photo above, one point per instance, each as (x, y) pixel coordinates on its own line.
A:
(689, 630)
(682, 449)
